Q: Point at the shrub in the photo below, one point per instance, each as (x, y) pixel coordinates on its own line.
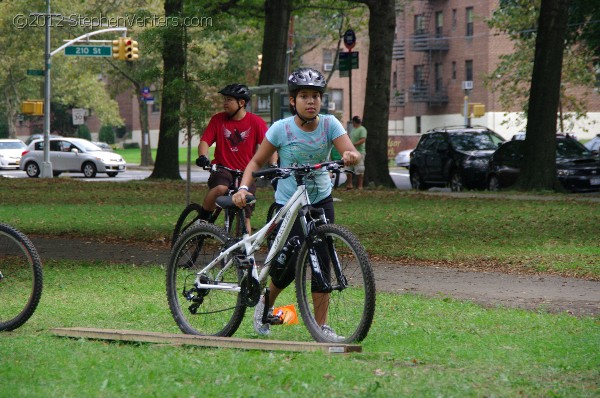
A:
(107, 134)
(83, 131)
(131, 145)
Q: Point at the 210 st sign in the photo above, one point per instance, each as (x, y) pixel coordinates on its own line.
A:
(89, 51)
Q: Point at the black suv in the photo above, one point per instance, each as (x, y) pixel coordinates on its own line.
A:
(453, 156)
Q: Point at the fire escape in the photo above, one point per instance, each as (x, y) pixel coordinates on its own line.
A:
(429, 40)
(398, 94)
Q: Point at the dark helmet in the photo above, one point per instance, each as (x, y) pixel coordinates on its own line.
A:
(306, 78)
(238, 91)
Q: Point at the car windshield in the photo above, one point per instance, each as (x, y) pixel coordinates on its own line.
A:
(12, 145)
(476, 141)
(570, 148)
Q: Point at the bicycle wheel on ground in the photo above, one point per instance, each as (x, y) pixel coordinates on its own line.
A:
(212, 312)
(349, 306)
(20, 278)
(189, 217)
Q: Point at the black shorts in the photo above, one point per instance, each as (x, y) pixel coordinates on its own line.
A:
(284, 279)
(224, 177)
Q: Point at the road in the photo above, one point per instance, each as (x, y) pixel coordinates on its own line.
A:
(398, 174)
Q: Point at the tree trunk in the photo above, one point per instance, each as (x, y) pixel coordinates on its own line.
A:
(146, 146)
(538, 171)
(382, 24)
(275, 42)
(167, 155)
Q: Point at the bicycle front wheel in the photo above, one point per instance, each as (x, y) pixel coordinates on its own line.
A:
(189, 217)
(344, 298)
(20, 278)
(213, 312)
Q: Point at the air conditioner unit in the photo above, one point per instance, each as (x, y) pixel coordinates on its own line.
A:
(327, 67)
(467, 85)
(331, 106)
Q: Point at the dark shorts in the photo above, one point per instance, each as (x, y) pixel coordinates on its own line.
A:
(225, 178)
(287, 277)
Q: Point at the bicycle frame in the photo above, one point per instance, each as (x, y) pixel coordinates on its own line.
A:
(285, 219)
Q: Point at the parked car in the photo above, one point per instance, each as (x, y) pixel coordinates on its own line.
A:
(103, 145)
(453, 156)
(594, 145)
(71, 155)
(402, 159)
(576, 168)
(10, 153)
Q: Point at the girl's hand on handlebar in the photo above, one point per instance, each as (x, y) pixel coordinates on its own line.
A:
(351, 158)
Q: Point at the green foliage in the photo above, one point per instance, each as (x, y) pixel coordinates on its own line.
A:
(84, 132)
(107, 134)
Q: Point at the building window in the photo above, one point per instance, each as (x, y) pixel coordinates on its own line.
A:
(155, 108)
(439, 24)
(328, 59)
(419, 78)
(336, 96)
(454, 19)
(439, 81)
(469, 22)
(395, 80)
(469, 70)
(418, 123)
(453, 70)
(420, 24)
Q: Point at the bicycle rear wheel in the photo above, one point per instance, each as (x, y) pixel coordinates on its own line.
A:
(20, 278)
(203, 311)
(188, 217)
(349, 310)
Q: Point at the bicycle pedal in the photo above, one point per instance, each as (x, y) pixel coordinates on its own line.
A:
(274, 320)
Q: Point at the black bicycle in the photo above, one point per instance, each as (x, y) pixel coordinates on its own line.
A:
(20, 278)
(190, 216)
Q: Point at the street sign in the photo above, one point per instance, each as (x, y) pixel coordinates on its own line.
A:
(89, 51)
(348, 60)
(78, 116)
(35, 72)
(349, 39)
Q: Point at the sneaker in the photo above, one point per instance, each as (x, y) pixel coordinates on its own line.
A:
(260, 328)
(330, 334)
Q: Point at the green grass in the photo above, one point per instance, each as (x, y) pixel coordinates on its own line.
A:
(552, 233)
(416, 347)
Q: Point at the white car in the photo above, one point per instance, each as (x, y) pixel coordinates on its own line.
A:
(72, 155)
(403, 158)
(10, 153)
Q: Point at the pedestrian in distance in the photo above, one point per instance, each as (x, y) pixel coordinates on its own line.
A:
(306, 137)
(358, 136)
(237, 135)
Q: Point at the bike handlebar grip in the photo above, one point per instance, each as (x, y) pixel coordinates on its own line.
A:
(262, 173)
(226, 202)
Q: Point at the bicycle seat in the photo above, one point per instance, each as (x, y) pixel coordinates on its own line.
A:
(226, 202)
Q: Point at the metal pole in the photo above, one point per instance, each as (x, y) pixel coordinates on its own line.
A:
(466, 109)
(46, 171)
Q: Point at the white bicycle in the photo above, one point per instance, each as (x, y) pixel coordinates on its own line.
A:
(212, 278)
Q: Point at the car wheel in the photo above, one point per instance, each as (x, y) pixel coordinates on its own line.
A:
(89, 170)
(32, 169)
(456, 182)
(112, 174)
(56, 173)
(416, 181)
(493, 183)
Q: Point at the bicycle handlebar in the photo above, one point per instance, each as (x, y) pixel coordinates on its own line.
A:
(214, 167)
(285, 172)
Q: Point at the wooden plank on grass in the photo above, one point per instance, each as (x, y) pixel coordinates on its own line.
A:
(206, 341)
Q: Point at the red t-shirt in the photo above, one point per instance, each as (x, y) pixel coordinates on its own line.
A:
(236, 139)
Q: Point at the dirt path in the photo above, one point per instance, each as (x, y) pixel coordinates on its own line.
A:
(551, 293)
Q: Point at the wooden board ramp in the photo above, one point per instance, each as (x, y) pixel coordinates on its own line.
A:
(205, 341)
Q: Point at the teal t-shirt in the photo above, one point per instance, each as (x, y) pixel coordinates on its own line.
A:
(297, 147)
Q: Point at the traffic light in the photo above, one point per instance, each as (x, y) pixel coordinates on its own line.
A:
(118, 50)
(131, 49)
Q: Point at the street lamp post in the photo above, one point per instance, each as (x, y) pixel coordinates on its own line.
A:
(46, 171)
